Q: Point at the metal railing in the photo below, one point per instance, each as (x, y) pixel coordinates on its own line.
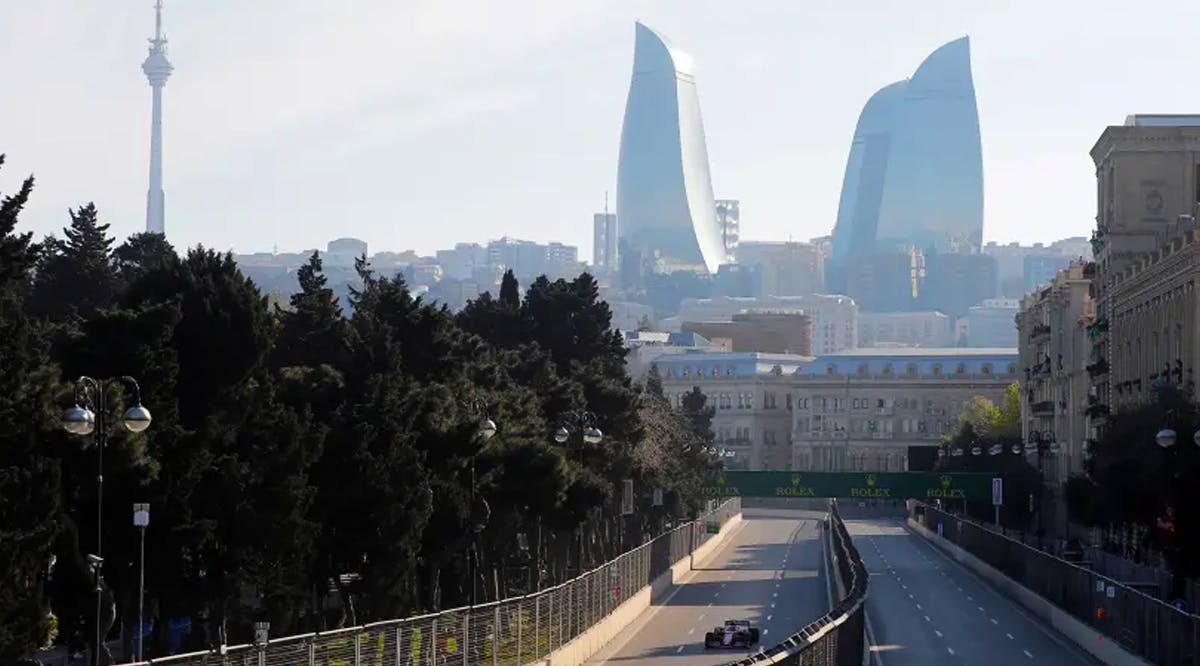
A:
(509, 632)
(1137, 622)
(837, 638)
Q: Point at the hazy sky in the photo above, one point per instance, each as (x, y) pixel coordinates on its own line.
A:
(419, 123)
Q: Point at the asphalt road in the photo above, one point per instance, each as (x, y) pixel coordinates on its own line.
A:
(925, 608)
(769, 570)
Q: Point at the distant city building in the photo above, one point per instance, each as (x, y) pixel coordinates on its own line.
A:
(729, 216)
(1056, 361)
(785, 268)
(768, 332)
(343, 251)
(834, 317)
(463, 261)
(887, 410)
(627, 316)
(664, 192)
(604, 243)
(952, 282)
(992, 323)
(647, 347)
(737, 280)
(527, 259)
(914, 176)
(1021, 268)
(886, 281)
(751, 399)
(905, 329)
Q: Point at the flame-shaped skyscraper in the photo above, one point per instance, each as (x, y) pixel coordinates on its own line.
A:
(158, 70)
(665, 207)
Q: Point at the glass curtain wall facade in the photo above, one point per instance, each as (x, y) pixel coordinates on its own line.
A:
(664, 191)
(914, 176)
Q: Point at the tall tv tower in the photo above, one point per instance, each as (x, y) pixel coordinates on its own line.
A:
(158, 70)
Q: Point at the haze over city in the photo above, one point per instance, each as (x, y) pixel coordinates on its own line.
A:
(415, 125)
(679, 333)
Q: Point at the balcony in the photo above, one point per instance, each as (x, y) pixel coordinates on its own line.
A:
(1043, 408)
(1039, 331)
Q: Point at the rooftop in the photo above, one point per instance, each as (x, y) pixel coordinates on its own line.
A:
(919, 352)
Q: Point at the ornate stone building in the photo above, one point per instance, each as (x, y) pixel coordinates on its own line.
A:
(1147, 189)
(1056, 366)
(1154, 327)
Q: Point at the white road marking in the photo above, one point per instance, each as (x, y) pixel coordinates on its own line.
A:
(980, 609)
(710, 603)
(772, 604)
(1010, 637)
(994, 621)
(918, 606)
(679, 649)
(769, 617)
(970, 598)
(764, 632)
(927, 619)
(691, 631)
(910, 596)
(950, 650)
(960, 589)
(1027, 654)
(939, 634)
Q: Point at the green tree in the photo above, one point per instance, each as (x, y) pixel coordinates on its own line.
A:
(313, 331)
(76, 275)
(30, 481)
(141, 253)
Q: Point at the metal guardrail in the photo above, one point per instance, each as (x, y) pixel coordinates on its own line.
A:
(1141, 624)
(837, 638)
(509, 632)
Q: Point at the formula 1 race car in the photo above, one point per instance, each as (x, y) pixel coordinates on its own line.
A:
(734, 634)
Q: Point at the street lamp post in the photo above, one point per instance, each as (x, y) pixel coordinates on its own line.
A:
(141, 519)
(585, 422)
(479, 511)
(88, 418)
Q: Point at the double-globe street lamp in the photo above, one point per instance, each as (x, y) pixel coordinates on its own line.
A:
(89, 416)
(480, 512)
(1166, 440)
(585, 422)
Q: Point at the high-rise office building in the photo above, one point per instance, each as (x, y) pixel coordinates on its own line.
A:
(604, 242)
(664, 192)
(914, 176)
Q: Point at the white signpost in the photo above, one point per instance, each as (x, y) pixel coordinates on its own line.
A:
(997, 497)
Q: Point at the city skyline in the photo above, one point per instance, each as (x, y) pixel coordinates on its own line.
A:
(776, 122)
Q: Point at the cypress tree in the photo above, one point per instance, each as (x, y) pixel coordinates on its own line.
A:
(29, 477)
(76, 275)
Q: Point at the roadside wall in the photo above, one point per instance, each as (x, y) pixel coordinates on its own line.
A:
(585, 645)
(1095, 643)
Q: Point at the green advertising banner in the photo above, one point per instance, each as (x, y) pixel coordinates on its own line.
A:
(853, 485)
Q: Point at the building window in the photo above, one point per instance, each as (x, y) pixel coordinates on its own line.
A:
(769, 400)
(789, 401)
(862, 369)
(715, 373)
(831, 369)
(769, 437)
(960, 369)
(887, 369)
(687, 372)
(670, 372)
(729, 371)
(937, 369)
(910, 369)
(987, 368)
(1012, 368)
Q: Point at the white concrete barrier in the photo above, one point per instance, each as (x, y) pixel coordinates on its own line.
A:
(583, 646)
(1095, 643)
